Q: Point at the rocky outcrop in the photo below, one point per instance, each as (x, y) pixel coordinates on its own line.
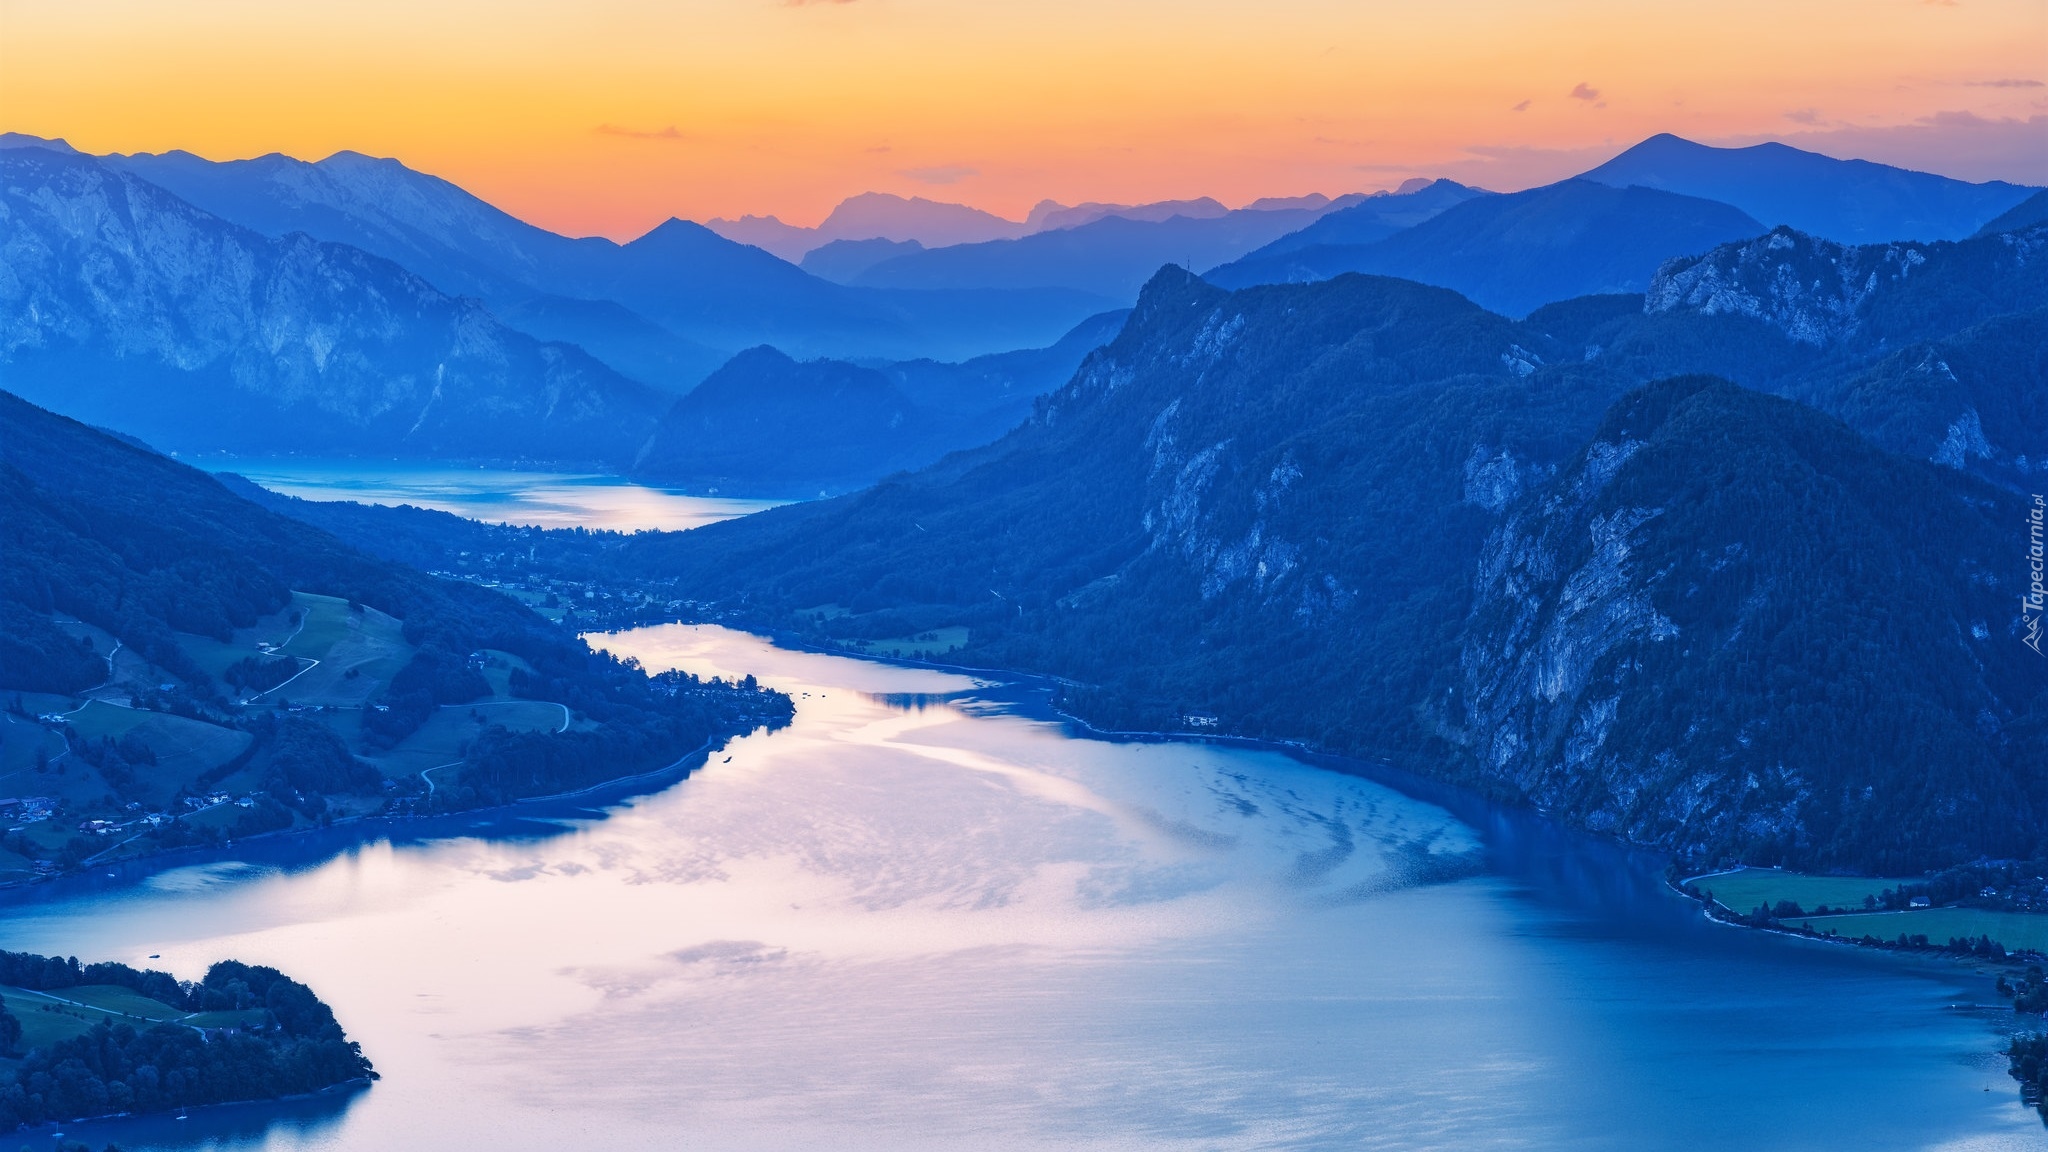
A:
(121, 304)
(1694, 634)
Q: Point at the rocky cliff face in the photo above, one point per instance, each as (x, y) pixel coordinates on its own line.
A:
(1822, 293)
(1370, 515)
(122, 304)
(1731, 628)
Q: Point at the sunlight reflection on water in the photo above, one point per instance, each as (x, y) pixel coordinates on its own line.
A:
(914, 920)
(545, 499)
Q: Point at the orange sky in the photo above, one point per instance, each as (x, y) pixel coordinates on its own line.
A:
(607, 116)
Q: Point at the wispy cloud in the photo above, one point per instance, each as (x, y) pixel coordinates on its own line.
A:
(1522, 107)
(669, 133)
(1803, 116)
(939, 174)
(2004, 82)
(1584, 91)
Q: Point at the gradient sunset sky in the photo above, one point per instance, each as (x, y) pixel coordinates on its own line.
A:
(608, 116)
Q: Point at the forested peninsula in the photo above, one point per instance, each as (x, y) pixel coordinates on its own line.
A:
(79, 1041)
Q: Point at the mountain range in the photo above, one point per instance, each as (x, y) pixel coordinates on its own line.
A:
(1545, 556)
(936, 224)
(125, 305)
(464, 332)
(768, 425)
(1515, 253)
(1847, 201)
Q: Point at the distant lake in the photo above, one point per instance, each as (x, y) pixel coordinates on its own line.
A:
(493, 495)
(929, 915)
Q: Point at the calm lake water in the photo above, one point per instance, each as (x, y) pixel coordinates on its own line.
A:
(496, 496)
(929, 917)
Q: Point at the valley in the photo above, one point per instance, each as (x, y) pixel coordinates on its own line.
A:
(1322, 672)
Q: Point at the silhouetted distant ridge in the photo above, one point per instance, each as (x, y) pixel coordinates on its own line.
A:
(1371, 219)
(2025, 214)
(1850, 201)
(1514, 253)
(766, 424)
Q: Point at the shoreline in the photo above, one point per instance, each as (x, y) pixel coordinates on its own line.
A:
(1410, 782)
(55, 1128)
(363, 829)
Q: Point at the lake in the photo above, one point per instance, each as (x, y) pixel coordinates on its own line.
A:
(928, 915)
(493, 495)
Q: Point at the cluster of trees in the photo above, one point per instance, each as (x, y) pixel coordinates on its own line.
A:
(297, 1046)
(2027, 1061)
(117, 760)
(434, 676)
(641, 724)
(39, 656)
(254, 674)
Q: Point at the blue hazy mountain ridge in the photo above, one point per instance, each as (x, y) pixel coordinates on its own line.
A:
(1848, 201)
(1514, 253)
(1111, 257)
(681, 277)
(767, 425)
(2025, 214)
(1373, 219)
(1371, 515)
(841, 260)
(637, 347)
(873, 216)
(129, 307)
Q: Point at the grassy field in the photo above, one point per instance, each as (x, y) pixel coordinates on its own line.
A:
(184, 748)
(327, 622)
(215, 656)
(937, 641)
(20, 740)
(1741, 891)
(498, 670)
(441, 739)
(367, 643)
(125, 1001)
(2015, 930)
(46, 1017)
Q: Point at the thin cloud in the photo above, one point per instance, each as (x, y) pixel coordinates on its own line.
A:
(939, 174)
(1803, 116)
(669, 133)
(1522, 107)
(1584, 92)
(2007, 82)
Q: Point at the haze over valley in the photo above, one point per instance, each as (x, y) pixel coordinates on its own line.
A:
(899, 574)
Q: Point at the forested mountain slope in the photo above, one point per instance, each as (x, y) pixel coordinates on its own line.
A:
(104, 541)
(1372, 515)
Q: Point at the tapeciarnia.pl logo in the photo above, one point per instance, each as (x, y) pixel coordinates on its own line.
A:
(2035, 602)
